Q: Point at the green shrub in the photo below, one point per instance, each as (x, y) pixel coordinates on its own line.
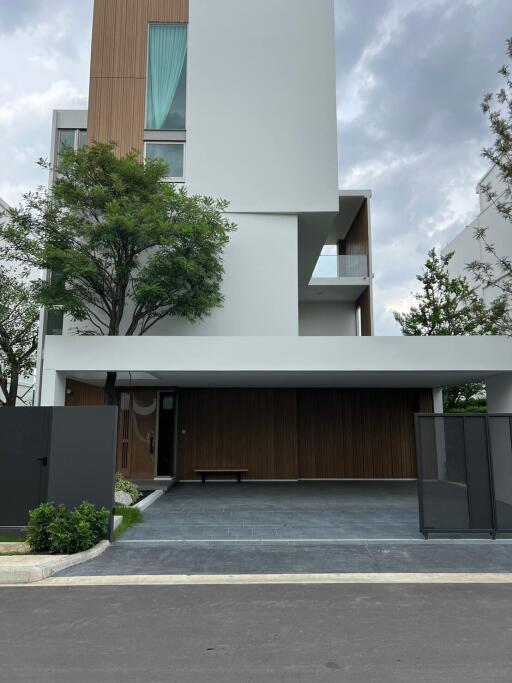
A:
(127, 486)
(57, 530)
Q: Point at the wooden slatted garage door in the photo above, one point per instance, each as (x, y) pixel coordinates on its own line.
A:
(304, 433)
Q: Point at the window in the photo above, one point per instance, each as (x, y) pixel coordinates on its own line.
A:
(167, 77)
(71, 137)
(172, 153)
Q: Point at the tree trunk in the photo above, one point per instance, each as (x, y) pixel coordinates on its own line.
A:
(12, 394)
(110, 388)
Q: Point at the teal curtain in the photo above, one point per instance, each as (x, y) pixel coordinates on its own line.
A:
(166, 59)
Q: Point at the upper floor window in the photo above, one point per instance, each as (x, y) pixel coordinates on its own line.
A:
(73, 138)
(173, 155)
(167, 77)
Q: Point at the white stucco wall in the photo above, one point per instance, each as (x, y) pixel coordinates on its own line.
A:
(260, 284)
(261, 104)
(468, 249)
(327, 319)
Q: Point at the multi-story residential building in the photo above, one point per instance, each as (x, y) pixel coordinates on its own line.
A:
(467, 249)
(287, 379)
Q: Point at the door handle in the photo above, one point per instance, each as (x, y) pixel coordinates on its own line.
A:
(151, 444)
(43, 461)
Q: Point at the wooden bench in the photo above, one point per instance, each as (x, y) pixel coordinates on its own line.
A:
(236, 471)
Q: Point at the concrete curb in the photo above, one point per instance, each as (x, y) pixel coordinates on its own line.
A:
(22, 569)
(14, 547)
(443, 578)
(149, 500)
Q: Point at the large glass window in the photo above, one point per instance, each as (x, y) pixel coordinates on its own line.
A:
(172, 153)
(167, 77)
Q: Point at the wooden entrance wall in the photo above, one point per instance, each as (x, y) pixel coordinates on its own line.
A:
(304, 433)
(251, 428)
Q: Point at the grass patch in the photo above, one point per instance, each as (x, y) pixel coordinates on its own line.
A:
(131, 516)
(12, 539)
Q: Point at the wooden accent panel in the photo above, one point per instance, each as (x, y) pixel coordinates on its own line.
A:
(357, 433)
(357, 240)
(116, 112)
(83, 394)
(251, 428)
(364, 302)
(117, 90)
(425, 401)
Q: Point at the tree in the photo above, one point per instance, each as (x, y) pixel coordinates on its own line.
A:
(125, 248)
(19, 315)
(447, 306)
(497, 271)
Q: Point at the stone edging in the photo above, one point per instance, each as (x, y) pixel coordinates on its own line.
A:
(32, 568)
(149, 500)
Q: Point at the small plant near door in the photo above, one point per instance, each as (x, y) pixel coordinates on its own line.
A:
(126, 492)
(60, 530)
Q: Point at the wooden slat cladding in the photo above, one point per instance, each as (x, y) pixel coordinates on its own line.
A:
(304, 433)
(365, 304)
(357, 240)
(357, 433)
(425, 401)
(81, 394)
(251, 428)
(116, 112)
(117, 89)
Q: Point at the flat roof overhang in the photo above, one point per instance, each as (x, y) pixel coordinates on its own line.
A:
(281, 361)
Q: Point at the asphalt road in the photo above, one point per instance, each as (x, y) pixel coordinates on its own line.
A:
(410, 633)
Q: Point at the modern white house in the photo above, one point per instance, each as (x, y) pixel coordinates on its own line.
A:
(467, 248)
(287, 380)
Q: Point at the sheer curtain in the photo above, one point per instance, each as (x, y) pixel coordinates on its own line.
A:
(166, 58)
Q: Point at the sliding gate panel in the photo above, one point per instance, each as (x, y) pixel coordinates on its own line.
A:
(464, 473)
(501, 448)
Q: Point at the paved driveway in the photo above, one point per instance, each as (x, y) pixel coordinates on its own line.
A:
(253, 528)
(260, 512)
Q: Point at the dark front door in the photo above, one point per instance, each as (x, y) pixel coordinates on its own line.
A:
(166, 433)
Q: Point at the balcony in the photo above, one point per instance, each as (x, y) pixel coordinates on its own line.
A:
(333, 266)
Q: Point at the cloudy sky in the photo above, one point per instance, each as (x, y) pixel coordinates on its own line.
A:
(411, 74)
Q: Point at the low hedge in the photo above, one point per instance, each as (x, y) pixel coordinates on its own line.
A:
(59, 530)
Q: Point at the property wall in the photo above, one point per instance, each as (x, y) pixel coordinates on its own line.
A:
(261, 104)
(329, 319)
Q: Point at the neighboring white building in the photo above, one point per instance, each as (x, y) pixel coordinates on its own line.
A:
(467, 248)
(287, 377)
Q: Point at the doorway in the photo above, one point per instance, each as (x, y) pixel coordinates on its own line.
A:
(146, 433)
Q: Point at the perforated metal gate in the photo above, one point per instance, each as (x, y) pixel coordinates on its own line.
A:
(464, 473)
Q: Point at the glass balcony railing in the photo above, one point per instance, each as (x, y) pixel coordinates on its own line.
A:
(353, 265)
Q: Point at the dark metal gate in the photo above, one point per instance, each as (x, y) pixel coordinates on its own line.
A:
(464, 473)
(62, 455)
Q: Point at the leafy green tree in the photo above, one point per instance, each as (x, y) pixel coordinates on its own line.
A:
(126, 249)
(449, 306)
(496, 271)
(19, 315)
